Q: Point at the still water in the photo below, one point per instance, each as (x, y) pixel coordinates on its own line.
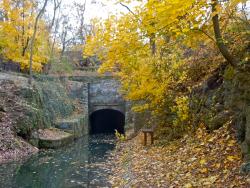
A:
(81, 164)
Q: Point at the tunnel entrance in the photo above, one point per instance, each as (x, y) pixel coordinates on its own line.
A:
(106, 121)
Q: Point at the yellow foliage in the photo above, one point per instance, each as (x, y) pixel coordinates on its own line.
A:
(154, 82)
(181, 109)
(229, 73)
(119, 136)
(16, 30)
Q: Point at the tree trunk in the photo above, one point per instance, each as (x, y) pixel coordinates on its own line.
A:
(152, 44)
(33, 40)
(25, 47)
(62, 53)
(219, 40)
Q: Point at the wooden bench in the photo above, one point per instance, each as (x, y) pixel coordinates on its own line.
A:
(147, 131)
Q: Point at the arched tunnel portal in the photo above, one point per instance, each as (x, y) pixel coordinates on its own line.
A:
(106, 121)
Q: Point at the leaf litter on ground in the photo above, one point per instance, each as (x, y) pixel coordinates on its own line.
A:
(202, 160)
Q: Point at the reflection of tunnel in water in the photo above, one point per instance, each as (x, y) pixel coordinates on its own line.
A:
(106, 121)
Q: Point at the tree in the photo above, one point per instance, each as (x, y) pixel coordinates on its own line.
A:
(219, 39)
(16, 29)
(56, 7)
(159, 80)
(54, 26)
(66, 35)
(81, 30)
(33, 39)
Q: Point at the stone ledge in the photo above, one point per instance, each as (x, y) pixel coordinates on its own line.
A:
(53, 138)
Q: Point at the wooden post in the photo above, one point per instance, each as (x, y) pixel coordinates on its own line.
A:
(145, 138)
(152, 137)
(145, 134)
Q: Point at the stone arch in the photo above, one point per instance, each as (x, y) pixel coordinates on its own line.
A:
(106, 120)
(118, 107)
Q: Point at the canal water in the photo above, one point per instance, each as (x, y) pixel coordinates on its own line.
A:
(81, 164)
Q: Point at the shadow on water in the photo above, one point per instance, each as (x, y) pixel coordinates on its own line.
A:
(82, 164)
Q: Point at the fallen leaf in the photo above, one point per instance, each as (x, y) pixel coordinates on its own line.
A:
(231, 158)
(203, 161)
(188, 185)
(204, 170)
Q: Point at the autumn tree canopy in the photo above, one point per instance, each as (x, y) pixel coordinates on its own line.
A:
(16, 29)
(162, 49)
(57, 30)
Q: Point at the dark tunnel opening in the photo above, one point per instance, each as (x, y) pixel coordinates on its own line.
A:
(106, 121)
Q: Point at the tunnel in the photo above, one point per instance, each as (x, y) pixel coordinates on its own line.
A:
(106, 121)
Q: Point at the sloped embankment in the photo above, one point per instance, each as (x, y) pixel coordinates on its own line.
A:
(12, 147)
(25, 111)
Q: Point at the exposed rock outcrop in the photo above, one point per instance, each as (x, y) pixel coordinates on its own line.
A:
(24, 110)
(225, 98)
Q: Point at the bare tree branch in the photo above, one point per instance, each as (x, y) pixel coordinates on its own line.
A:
(57, 4)
(128, 8)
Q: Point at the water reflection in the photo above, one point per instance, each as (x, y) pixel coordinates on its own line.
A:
(83, 164)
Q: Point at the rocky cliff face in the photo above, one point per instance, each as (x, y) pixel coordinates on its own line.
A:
(208, 102)
(238, 97)
(225, 98)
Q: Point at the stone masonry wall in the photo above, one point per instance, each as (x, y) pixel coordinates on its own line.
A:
(100, 92)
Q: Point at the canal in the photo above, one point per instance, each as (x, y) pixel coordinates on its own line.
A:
(81, 164)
